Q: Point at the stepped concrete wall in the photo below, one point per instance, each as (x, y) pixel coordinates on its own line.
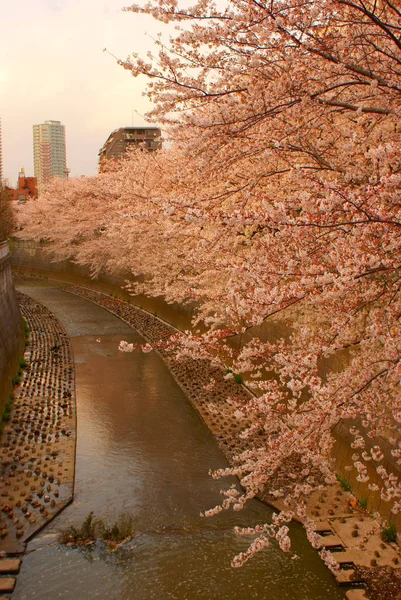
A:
(11, 331)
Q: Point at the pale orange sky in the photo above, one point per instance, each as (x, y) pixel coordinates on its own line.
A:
(52, 66)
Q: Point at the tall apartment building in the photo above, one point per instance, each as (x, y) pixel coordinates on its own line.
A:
(121, 139)
(49, 154)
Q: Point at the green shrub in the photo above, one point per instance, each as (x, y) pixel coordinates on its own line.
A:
(389, 534)
(92, 529)
(7, 216)
(120, 530)
(6, 416)
(88, 529)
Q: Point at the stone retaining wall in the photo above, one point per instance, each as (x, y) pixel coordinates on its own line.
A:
(11, 332)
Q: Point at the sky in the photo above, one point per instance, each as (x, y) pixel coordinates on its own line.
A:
(52, 67)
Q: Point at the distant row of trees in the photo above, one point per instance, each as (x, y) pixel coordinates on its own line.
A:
(7, 219)
(279, 197)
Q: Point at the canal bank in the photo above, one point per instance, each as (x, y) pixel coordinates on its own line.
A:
(32, 256)
(336, 513)
(37, 450)
(11, 330)
(143, 449)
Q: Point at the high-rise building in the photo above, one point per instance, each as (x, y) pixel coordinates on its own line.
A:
(49, 155)
(121, 139)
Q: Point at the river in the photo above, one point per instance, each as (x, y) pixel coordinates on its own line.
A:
(142, 449)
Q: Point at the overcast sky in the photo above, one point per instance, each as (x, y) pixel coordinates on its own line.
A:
(52, 66)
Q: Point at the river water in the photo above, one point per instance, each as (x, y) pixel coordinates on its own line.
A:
(142, 449)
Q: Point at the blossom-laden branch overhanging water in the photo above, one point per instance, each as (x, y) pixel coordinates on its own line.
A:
(278, 197)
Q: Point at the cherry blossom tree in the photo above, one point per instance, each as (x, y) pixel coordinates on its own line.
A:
(277, 198)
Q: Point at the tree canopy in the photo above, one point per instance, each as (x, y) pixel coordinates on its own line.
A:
(277, 197)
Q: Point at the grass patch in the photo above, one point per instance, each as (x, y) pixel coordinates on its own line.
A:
(363, 503)
(26, 327)
(236, 376)
(6, 415)
(389, 534)
(93, 529)
(345, 484)
(26, 332)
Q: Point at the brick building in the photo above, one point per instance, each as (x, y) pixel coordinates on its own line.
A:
(27, 188)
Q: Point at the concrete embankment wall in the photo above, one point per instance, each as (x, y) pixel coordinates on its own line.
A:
(11, 331)
(35, 256)
(30, 254)
(344, 454)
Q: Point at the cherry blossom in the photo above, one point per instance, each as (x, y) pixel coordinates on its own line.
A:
(274, 215)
